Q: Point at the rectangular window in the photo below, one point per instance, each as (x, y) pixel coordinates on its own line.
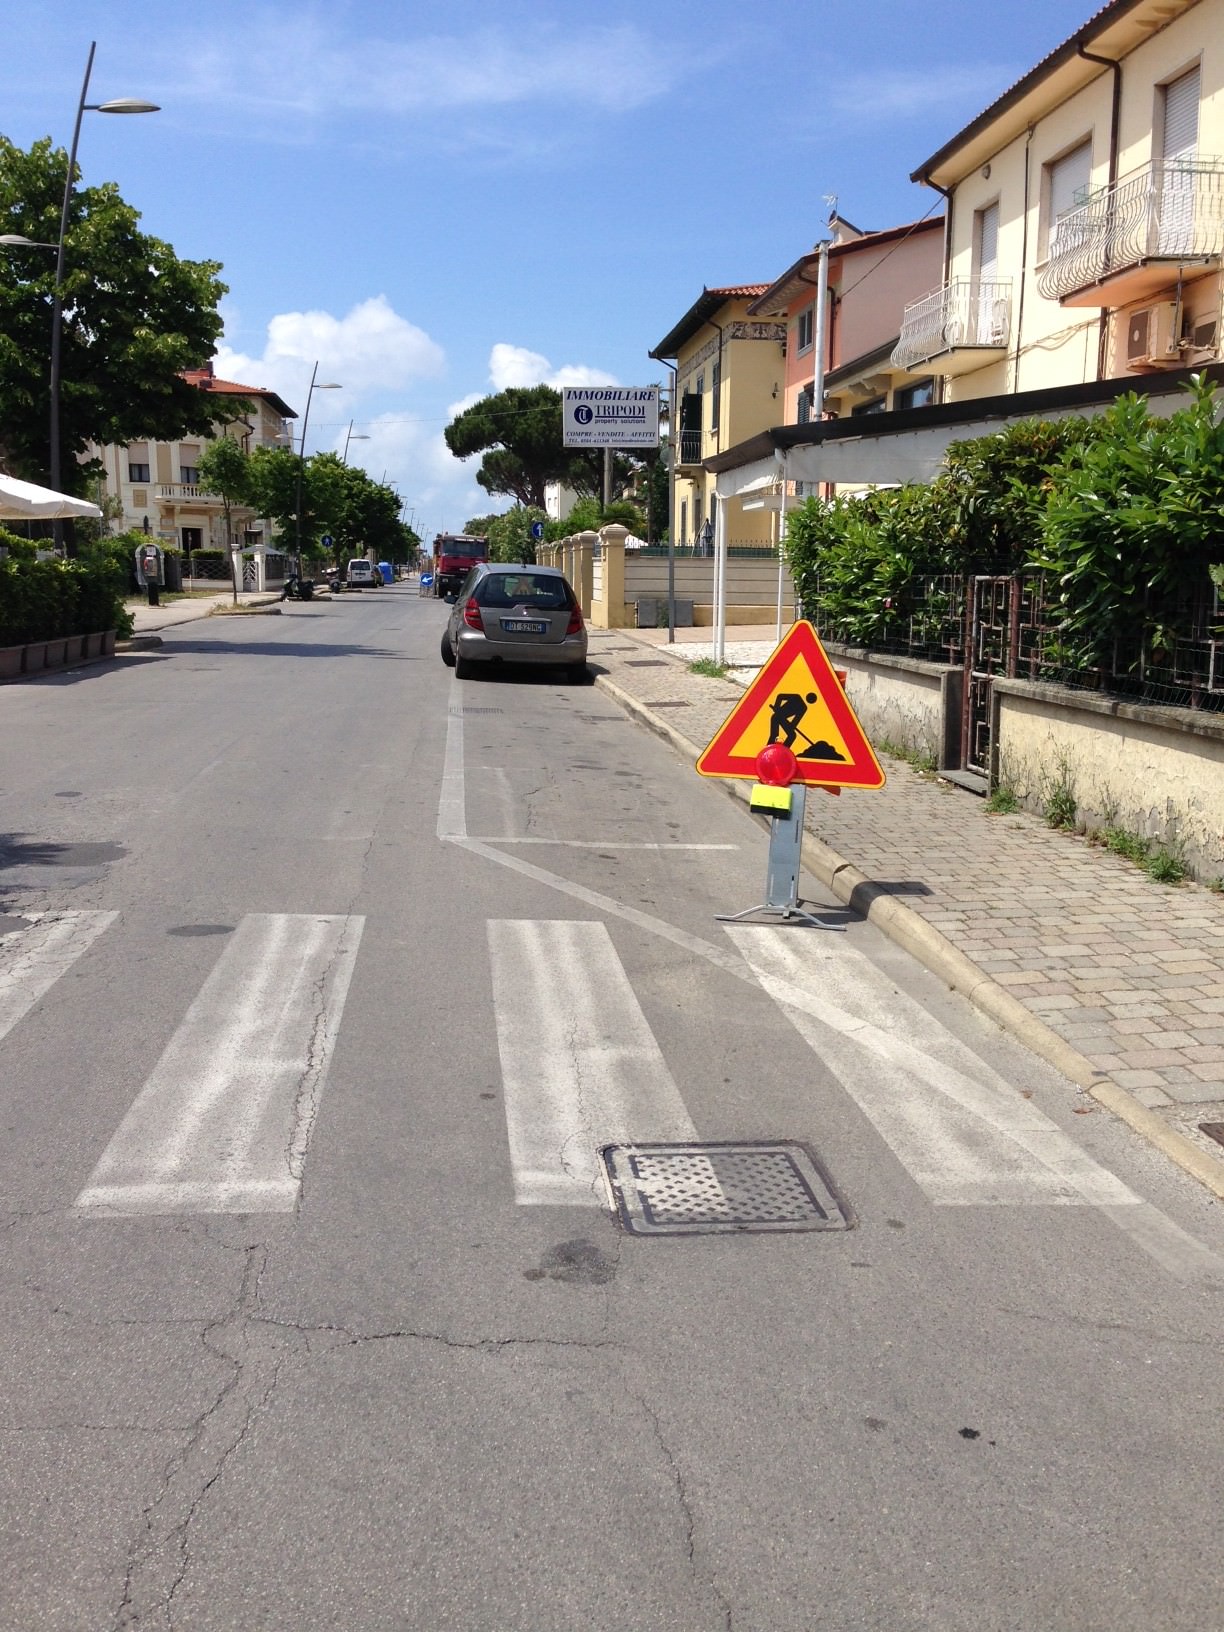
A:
(690, 428)
(805, 407)
(986, 243)
(919, 395)
(1175, 200)
(875, 406)
(1064, 183)
(715, 394)
(138, 472)
(805, 327)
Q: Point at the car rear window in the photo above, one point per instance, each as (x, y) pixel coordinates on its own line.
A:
(541, 592)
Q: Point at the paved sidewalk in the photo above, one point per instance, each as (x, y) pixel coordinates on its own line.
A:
(148, 619)
(1117, 980)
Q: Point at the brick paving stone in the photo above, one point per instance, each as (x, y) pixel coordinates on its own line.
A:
(1107, 958)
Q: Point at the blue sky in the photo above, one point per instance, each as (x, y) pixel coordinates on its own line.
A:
(439, 201)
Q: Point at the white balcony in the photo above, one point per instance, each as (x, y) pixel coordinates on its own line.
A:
(1125, 242)
(960, 326)
(187, 493)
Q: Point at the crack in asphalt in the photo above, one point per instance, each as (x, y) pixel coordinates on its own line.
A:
(686, 1511)
(158, 1559)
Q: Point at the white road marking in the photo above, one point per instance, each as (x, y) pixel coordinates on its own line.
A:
(580, 1064)
(32, 959)
(452, 810)
(1180, 1253)
(224, 1121)
(960, 1130)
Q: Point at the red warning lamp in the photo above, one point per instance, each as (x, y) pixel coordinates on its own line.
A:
(777, 766)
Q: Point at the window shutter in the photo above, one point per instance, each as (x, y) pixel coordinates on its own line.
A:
(1068, 176)
(1181, 111)
(988, 243)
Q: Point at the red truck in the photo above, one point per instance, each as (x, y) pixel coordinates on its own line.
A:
(455, 554)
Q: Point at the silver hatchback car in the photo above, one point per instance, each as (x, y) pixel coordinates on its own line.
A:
(505, 613)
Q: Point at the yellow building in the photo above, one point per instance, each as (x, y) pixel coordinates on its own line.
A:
(1085, 213)
(730, 374)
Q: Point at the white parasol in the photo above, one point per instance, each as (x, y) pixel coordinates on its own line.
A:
(24, 501)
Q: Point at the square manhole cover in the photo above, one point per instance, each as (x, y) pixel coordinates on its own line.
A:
(723, 1188)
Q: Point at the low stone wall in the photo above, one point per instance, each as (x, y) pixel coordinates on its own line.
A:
(1158, 772)
(903, 701)
(20, 662)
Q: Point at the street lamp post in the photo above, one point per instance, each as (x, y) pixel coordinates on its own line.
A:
(359, 436)
(123, 104)
(315, 385)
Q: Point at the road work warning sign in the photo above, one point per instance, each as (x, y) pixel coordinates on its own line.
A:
(797, 701)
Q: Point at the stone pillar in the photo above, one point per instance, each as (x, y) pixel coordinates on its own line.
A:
(612, 537)
(583, 579)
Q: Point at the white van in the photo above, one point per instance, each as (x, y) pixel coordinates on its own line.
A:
(362, 574)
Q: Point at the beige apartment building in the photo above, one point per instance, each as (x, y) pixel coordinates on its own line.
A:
(1085, 212)
(730, 376)
(157, 483)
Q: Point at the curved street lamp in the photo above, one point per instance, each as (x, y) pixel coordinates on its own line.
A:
(352, 436)
(315, 385)
(122, 104)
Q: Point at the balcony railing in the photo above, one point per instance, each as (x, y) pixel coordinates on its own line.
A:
(181, 492)
(949, 328)
(690, 447)
(1172, 211)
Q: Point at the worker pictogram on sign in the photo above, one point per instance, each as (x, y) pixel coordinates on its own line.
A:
(797, 702)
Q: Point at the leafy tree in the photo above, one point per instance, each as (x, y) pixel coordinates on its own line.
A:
(225, 468)
(509, 535)
(134, 316)
(519, 432)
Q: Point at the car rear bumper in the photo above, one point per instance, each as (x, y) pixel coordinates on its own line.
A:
(477, 648)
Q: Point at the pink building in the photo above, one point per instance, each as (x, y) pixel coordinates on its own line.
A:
(872, 277)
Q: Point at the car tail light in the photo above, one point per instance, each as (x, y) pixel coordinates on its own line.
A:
(471, 613)
(575, 624)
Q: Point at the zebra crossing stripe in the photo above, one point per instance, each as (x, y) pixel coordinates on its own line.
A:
(964, 1134)
(580, 1064)
(223, 1123)
(33, 958)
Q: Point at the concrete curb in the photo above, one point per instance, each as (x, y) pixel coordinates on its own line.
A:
(909, 930)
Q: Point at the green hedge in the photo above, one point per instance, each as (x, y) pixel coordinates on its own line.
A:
(42, 599)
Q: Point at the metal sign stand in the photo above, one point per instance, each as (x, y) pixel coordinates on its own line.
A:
(782, 868)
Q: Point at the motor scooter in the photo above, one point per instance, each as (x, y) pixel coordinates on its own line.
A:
(297, 589)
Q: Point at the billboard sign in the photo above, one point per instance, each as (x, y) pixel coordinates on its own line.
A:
(610, 416)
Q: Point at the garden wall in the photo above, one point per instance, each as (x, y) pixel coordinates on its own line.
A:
(1157, 772)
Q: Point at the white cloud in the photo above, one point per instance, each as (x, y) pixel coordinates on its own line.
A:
(517, 366)
(370, 348)
(316, 69)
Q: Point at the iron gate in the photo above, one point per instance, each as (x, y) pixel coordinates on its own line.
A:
(1002, 640)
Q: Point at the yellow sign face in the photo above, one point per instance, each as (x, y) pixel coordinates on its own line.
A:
(796, 700)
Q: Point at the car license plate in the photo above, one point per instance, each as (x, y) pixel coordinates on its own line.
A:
(523, 626)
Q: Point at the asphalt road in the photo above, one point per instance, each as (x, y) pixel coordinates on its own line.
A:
(325, 979)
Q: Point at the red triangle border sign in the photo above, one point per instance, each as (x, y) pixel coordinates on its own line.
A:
(758, 710)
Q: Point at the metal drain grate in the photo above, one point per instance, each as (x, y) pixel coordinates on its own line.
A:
(723, 1189)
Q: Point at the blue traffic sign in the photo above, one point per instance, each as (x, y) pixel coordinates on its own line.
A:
(327, 541)
(537, 530)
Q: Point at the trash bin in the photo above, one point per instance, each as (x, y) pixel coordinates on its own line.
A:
(172, 568)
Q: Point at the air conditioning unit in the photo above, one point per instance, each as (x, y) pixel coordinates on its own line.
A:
(1151, 338)
(1202, 334)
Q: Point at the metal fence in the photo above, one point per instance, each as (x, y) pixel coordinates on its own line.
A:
(1009, 626)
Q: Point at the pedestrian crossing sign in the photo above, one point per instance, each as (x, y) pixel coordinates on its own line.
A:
(796, 700)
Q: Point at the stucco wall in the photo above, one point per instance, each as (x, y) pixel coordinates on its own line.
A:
(869, 314)
(1154, 771)
(897, 700)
